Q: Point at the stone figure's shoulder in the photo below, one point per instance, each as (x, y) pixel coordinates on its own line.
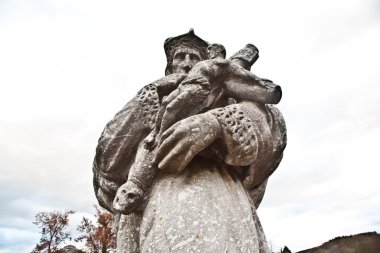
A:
(142, 107)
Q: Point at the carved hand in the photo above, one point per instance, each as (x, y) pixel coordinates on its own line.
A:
(185, 139)
(168, 83)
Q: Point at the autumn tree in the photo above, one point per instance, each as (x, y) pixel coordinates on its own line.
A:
(53, 230)
(98, 237)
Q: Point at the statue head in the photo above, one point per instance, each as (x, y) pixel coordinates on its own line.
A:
(216, 51)
(183, 52)
(129, 198)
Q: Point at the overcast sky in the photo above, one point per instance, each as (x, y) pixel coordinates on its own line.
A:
(66, 67)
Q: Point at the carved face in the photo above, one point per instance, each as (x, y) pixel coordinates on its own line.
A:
(184, 59)
(128, 199)
(216, 51)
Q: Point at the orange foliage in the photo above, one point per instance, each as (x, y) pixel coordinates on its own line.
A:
(99, 237)
(53, 225)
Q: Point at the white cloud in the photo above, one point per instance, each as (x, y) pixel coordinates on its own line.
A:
(327, 184)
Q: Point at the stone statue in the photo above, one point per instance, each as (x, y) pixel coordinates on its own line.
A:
(184, 165)
(203, 87)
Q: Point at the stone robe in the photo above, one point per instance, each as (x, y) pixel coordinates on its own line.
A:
(210, 206)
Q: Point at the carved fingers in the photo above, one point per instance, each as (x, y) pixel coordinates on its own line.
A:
(185, 139)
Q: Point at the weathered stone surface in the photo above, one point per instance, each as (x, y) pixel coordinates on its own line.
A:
(71, 249)
(209, 211)
(196, 181)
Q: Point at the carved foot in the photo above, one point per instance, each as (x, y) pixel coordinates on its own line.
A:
(129, 198)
